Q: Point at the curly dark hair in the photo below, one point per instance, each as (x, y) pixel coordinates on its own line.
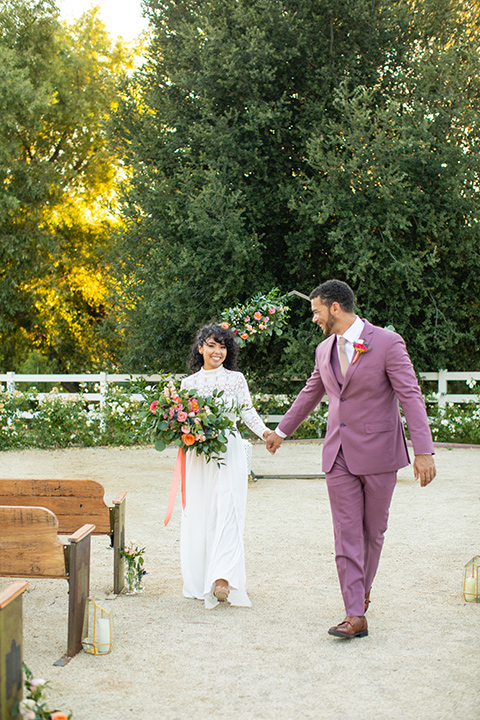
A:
(220, 335)
(335, 291)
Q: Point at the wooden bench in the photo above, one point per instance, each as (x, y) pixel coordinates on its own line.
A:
(30, 548)
(11, 653)
(74, 502)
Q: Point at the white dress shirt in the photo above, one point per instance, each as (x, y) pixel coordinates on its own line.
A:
(351, 336)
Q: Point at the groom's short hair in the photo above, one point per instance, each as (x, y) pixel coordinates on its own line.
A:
(335, 291)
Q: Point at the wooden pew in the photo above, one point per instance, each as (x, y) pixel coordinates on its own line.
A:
(11, 653)
(74, 502)
(30, 548)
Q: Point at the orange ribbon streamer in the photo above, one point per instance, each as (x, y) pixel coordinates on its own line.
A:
(179, 473)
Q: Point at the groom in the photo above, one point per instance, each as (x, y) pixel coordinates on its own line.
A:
(365, 370)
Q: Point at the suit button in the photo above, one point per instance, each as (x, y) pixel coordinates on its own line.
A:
(342, 399)
(342, 424)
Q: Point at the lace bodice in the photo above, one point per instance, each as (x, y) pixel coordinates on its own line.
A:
(236, 394)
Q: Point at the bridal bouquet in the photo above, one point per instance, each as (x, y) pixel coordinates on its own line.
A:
(190, 421)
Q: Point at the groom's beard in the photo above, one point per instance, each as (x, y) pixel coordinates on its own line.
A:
(329, 326)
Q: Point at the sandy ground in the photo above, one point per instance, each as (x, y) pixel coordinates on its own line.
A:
(172, 659)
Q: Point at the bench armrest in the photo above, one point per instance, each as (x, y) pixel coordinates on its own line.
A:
(120, 498)
(81, 533)
(12, 592)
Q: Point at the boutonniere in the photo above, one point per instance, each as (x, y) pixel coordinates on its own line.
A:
(360, 347)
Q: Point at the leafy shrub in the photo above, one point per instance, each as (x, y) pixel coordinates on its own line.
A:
(56, 421)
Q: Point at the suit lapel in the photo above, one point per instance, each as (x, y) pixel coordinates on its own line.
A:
(328, 347)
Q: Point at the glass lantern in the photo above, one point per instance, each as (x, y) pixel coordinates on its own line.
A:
(97, 629)
(471, 577)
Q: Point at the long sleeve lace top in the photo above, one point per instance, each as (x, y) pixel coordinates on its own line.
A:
(236, 395)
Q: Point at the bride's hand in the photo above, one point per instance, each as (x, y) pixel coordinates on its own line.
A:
(273, 442)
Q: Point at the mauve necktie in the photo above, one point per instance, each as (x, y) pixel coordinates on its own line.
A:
(343, 356)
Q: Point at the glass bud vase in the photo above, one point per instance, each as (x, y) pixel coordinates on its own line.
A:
(133, 581)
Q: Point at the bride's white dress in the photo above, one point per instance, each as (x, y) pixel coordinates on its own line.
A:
(211, 541)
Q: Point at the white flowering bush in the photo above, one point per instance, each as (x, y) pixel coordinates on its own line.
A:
(455, 422)
(75, 421)
(59, 421)
(313, 427)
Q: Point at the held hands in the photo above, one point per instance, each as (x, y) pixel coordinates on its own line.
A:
(424, 468)
(273, 442)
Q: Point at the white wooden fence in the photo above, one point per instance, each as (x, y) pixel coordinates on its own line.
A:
(103, 380)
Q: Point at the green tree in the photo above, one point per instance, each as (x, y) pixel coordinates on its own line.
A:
(57, 198)
(395, 190)
(280, 143)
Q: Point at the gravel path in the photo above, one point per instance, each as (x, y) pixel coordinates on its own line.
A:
(173, 660)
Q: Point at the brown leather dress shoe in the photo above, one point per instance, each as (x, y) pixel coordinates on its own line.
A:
(367, 599)
(351, 627)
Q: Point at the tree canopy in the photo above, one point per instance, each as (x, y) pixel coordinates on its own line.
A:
(259, 144)
(285, 142)
(58, 87)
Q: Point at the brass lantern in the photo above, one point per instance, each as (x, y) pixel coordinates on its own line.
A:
(97, 628)
(471, 577)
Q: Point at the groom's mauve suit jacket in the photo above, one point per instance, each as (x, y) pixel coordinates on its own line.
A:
(363, 414)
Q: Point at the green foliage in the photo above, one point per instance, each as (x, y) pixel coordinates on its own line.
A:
(56, 421)
(455, 423)
(261, 317)
(191, 421)
(314, 426)
(126, 419)
(34, 705)
(57, 183)
(258, 163)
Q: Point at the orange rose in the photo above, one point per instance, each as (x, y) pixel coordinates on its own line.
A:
(58, 716)
(225, 325)
(188, 439)
(244, 336)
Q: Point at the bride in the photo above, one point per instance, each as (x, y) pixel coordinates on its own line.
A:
(211, 541)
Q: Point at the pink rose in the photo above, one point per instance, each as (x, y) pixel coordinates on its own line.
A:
(271, 310)
(185, 428)
(257, 315)
(153, 406)
(182, 416)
